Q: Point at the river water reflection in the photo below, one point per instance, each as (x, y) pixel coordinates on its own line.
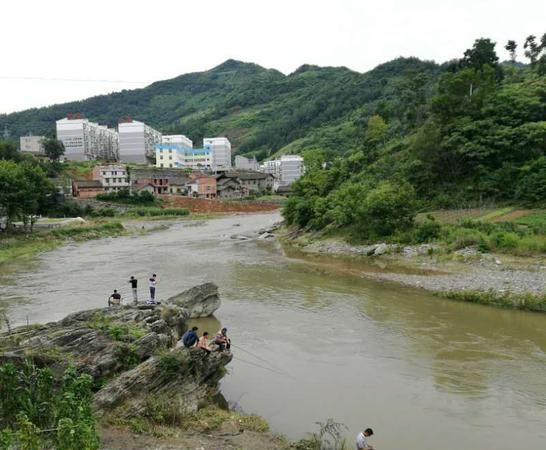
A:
(425, 373)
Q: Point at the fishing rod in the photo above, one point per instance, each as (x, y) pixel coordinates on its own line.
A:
(265, 368)
(253, 354)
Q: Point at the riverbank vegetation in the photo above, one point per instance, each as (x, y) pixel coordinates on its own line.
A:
(507, 299)
(38, 412)
(476, 135)
(14, 247)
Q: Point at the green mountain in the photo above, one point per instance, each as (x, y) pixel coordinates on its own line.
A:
(262, 111)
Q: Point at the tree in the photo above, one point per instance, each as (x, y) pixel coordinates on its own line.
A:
(511, 46)
(481, 54)
(53, 149)
(532, 49)
(24, 190)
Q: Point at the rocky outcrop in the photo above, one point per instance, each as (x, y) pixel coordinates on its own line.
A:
(129, 347)
(100, 342)
(175, 382)
(199, 301)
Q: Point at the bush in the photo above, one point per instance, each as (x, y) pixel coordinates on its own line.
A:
(427, 231)
(123, 196)
(155, 212)
(38, 412)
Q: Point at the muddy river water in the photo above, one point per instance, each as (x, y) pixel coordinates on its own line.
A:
(424, 373)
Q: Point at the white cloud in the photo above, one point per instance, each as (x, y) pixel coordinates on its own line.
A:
(153, 40)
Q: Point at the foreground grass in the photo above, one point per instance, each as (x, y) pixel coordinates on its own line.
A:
(159, 420)
(25, 246)
(510, 300)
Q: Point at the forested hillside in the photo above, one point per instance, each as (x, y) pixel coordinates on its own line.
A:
(480, 137)
(260, 110)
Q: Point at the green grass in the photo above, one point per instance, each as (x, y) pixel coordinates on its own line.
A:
(117, 331)
(525, 301)
(25, 246)
(537, 218)
(158, 212)
(495, 214)
(211, 418)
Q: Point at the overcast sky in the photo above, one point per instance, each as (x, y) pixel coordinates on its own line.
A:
(107, 45)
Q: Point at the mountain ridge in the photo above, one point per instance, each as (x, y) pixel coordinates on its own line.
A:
(248, 103)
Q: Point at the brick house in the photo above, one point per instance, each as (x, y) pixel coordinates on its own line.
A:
(86, 188)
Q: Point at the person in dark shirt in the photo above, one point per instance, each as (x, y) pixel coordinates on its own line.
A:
(189, 339)
(134, 283)
(114, 299)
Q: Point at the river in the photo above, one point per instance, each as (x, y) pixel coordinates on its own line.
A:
(424, 373)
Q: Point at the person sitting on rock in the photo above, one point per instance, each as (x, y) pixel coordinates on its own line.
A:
(189, 338)
(221, 340)
(114, 299)
(203, 342)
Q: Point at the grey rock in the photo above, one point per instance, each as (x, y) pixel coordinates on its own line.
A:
(180, 387)
(265, 235)
(199, 301)
(381, 249)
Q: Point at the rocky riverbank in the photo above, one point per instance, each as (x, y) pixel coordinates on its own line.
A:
(143, 383)
(466, 274)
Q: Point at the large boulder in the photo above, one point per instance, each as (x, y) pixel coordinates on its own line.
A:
(172, 383)
(100, 342)
(199, 301)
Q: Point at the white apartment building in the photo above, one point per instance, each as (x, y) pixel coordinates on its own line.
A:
(287, 169)
(291, 168)
(137, 141)
(84, 140)
(112, 177)
(273, 167)
(32, 144)
(220, 148)
(184, 141)
(243, 163)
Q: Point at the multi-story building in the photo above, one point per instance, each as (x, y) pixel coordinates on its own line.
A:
(243, 163)
(112, 177)
(170, 153)
(273, 167)
(32, 144)
(286, 169)
(162, 181)
(137, 141)
(203, 187)
(85, 140)
(220, 149)
(291, 168)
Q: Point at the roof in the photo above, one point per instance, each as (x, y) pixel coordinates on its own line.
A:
(225, 182)
(246, 175)
(179, 181)
(144, 186)
(88, 184)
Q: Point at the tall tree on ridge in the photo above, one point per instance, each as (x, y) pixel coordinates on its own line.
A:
(511, 46)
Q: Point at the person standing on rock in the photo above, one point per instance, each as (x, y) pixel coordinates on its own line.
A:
(362, 440)
(134, 283)
(153, 284)
(204, 342)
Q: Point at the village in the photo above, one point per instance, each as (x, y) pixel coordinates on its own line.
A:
(137, 158)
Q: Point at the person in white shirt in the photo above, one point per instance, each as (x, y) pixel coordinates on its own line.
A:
(362, 440)
(153, 284)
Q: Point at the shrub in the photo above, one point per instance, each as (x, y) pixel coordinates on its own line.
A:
(123, 196)
(37, 412)
(154, 212)
(427, 231)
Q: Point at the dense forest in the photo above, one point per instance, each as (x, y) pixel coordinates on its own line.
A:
(479, 135)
